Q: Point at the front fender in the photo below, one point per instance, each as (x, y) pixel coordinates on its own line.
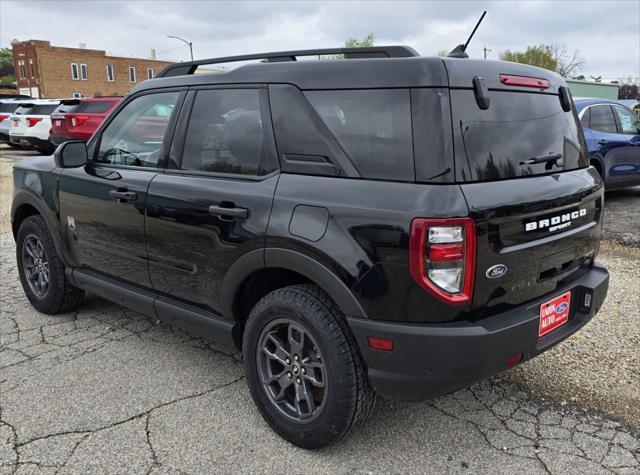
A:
(27, 197)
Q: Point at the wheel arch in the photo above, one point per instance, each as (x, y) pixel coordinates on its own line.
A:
(597, 162)
(263, 271)
(26, 204)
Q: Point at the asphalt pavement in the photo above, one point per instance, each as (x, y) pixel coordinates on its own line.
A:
(107, 390)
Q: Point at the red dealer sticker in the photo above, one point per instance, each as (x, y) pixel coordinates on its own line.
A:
(554, 313)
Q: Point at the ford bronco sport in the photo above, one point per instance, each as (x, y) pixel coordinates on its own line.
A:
(375, 223)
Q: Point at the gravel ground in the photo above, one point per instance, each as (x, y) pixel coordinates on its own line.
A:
(598, 367)
(105, 389)
(622, 216)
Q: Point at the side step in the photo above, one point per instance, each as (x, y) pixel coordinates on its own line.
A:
(194, 320)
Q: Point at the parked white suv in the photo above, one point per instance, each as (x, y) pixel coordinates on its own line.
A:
(31, 123)
(7, 109)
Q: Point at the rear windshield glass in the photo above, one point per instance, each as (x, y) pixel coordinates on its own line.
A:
(8, 106)
(66, 108)
(374, 128)
(25, 109)
(37, 109)
(502, 141)
(97, 107)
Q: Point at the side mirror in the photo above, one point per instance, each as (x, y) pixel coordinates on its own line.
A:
(71, 154)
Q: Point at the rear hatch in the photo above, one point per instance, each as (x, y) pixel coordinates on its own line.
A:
(31, 117)
(58, 122)
(522, 167)
(84, 119)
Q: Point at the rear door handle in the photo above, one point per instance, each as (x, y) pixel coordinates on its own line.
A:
(222, 212)
(123, 195)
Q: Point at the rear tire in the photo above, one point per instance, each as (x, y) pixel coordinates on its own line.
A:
(316, 398)
(41, 271)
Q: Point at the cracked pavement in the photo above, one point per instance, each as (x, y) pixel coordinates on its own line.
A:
(108, 390)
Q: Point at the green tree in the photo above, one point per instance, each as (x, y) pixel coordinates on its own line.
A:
(355, 43)
(7, 80)
(541, 56)
(6, 57)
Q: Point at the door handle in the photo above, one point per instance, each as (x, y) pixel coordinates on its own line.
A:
(123, 195)
(602, 142)
(222, 212)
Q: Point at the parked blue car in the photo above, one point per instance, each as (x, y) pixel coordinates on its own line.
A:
(612, 132)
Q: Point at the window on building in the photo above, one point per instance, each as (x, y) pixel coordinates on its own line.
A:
(132, 74)
(225, 133)
(75, 75)
(21, 70)
(150, 73)
(77, 95)
(110, 75)
(84, 72)
(31, 69)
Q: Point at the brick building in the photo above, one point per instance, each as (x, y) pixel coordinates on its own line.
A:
(47, 71)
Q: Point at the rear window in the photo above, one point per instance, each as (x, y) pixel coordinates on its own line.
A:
(37, 109)
(97, 107)
(374, 128)
(494, 144)
(8, 106)
(66, 107)
(24, 109)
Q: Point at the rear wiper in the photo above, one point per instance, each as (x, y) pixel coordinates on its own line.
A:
(550, 159)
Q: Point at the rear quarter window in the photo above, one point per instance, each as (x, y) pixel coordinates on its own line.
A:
(373, 127)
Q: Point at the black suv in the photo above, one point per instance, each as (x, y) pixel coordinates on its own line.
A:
(371, 223)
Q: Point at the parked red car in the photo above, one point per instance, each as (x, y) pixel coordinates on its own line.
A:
(78, 119)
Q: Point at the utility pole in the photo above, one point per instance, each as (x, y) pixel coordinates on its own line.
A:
(184, 41)
(486, 51)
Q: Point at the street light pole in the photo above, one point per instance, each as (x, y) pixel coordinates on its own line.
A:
(184, 41)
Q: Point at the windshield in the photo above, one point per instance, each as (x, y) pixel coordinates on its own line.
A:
(520, 134)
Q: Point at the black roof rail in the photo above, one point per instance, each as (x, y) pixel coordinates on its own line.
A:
(189, 67)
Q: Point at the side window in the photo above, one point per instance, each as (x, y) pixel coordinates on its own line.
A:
(374, 128)
(584, 121)
(226, 133)
(134, 137)
(602, 119)
(628, 122)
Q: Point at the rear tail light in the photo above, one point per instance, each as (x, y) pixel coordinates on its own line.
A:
(3, 116)
(78, 120)
(524, 81)
(31, 121)
(442, 257)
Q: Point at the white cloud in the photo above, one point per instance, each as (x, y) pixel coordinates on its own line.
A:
(606, 33)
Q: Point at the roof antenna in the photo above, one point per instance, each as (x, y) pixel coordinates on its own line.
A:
(460, 50)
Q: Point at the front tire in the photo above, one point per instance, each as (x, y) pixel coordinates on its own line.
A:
(303, 367)
(41, 271)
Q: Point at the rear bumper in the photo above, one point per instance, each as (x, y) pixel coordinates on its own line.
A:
(34, 142)
(58, 139)
(431, 360)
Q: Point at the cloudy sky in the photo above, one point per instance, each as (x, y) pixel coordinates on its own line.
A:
(606, 33)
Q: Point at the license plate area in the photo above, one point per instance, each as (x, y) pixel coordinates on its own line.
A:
(554, 313)
(58, 123)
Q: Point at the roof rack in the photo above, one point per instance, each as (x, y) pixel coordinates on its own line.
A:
(189, 67)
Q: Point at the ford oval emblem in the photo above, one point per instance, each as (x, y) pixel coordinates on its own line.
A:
(496, 271)
(562, 307)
